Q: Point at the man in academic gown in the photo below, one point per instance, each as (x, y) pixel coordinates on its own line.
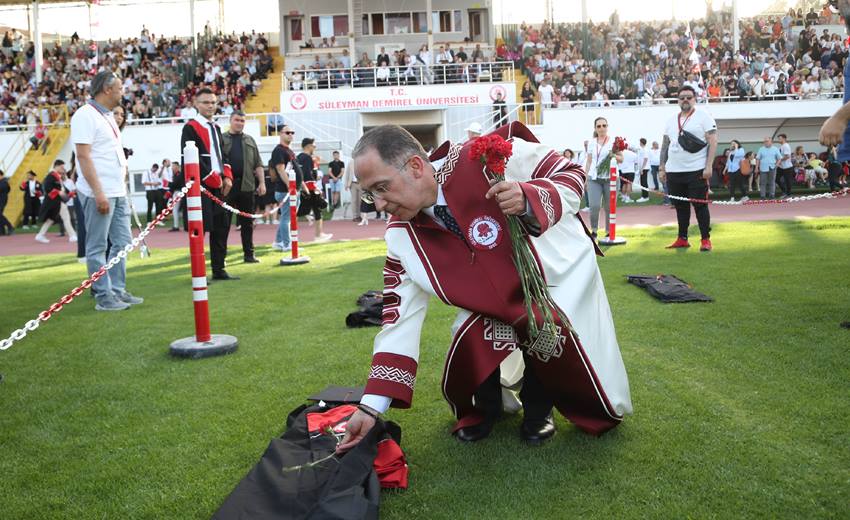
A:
(215, 177)
(449, 238)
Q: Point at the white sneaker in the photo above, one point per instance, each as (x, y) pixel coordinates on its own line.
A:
(160, 224)
(82, 260)
(744, 199)
(72, 239)
(278, 246)
(42, 239)
(324, 237)
(286, 248)
(643, 199)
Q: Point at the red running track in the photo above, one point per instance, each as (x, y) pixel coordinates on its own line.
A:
(628, 215)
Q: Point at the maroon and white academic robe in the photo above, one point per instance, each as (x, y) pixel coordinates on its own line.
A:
(584, 373)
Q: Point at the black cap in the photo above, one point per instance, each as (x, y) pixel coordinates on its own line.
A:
(306, 141)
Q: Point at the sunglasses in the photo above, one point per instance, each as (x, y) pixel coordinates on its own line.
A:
(369, 196)
(288, 133)
(601, 126)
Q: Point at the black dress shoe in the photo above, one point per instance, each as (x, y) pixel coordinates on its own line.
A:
(251, 260)
(172, 230)
(537, 432)
(475, 432)
(222, 275)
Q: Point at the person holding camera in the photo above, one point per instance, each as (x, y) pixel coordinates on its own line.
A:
(687, 154)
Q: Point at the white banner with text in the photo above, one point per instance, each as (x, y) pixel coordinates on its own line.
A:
(395, 98)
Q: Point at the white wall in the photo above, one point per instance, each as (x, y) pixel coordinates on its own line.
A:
(569, 127)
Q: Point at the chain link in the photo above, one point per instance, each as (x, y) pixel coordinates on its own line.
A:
(803, 198)
(239, 212)
(32, 325)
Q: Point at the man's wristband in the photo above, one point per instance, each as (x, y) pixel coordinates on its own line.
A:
(368, 411)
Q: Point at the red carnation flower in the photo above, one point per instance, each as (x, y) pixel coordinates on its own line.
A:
(493, 152)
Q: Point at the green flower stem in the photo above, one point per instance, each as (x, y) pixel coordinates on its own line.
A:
(534, 289)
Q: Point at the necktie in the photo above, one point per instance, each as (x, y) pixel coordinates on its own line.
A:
(215, 146)
(442, 212)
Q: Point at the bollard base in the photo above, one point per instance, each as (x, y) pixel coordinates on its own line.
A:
(295, 261)
(608, 242)
(219, 344)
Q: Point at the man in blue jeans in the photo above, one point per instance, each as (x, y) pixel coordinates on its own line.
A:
(101, 190)
(281, 162)
(767, 159)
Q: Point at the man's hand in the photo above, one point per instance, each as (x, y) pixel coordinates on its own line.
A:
(261, 189)
(226, 188)
(706, 173)
(662, 174)
(509, 196)
(102, 203)
(832, 131)
(358, 426)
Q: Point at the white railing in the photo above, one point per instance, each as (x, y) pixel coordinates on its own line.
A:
(566, 104)
(413, 74)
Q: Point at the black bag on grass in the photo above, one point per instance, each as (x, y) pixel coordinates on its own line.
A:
(668, 288)
(371, 305)
(283, 484)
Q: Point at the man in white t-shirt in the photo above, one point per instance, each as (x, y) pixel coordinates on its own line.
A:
(546, 93)
(687, 153)
(101, 189)
(785, 170)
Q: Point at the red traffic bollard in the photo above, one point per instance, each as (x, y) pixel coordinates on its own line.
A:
(294, 259)
(611, 239)
(202, 344)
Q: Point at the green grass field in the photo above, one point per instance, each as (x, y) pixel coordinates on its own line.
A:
(740, 405)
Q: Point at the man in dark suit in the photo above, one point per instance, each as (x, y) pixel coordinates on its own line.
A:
(32, 199)
(248, 178)
(216, 177)
(382, 59)
(4, 198)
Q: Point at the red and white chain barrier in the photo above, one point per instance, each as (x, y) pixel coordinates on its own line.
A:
(33, 324)
(829, 195)
(239, 212)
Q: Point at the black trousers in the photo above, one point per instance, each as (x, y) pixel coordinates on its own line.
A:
(155, 201)
(244, 201)
(691, 185)
(644, 178)
(217, 224)
(32, 206)
(536, 402)
(4, 222)
(785, 179)
(737, 182)
(835, 170)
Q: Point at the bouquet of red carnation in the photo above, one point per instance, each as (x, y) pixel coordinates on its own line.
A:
(619, 145)
(603, 170)
(493, 152)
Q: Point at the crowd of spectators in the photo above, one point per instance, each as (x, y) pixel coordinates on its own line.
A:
(617, 63)
(160, 74)
(446, 65)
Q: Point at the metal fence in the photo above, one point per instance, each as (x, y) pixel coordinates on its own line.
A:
(413, 74)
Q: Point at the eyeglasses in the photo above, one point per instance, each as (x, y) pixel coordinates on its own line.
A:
(288, 133)
(369, 196)
(685, 98)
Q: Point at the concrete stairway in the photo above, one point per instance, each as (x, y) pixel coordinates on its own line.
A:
(268, 96)
(38, 162)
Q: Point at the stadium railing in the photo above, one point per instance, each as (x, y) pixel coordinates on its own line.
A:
(414, 74)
